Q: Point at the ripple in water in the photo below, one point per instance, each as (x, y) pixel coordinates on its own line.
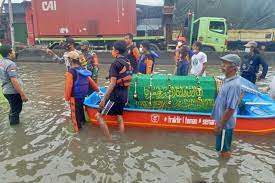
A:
(44, 148)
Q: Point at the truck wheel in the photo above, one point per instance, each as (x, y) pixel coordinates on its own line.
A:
(154, 47)
(207, 48)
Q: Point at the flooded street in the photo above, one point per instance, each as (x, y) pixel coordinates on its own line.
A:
(44, 148)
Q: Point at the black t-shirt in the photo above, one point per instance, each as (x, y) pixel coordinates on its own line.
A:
(119, 94)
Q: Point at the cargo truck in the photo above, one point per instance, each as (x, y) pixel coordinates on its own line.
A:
(264, 37)
(211, 32)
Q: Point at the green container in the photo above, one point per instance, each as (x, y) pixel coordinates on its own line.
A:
(170, 92)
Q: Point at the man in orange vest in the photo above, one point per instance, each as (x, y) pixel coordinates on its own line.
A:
(132, 52)
(78, 80)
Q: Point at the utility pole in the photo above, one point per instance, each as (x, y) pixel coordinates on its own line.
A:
(11, 23)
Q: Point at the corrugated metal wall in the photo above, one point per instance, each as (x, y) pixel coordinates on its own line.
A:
(84, 18)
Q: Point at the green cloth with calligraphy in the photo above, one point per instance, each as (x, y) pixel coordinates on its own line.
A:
(170, 92)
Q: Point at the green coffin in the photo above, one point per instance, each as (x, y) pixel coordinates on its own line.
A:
(170, 92)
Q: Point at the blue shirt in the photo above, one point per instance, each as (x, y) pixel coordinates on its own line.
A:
(228, 98)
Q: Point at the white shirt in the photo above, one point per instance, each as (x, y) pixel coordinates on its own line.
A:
(272, 88)
(198, 59)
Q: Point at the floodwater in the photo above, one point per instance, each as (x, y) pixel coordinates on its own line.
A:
(44, 148)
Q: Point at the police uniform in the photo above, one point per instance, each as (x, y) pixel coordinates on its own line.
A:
(8, 70)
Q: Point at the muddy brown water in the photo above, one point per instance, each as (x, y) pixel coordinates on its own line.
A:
(44, 148)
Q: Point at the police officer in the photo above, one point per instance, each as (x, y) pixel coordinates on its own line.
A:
(91, 58)
(251, 63)
(146, 60)
(11, 83)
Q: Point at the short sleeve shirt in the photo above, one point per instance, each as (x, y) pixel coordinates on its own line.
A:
(8, 69)
(228, 98)
(197, 62)
(119, 94)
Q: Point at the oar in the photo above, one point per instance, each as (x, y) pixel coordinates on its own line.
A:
(259, 103)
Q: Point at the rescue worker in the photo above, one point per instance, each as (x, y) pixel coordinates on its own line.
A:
(69, 46)
(251, 63)
(146, 60)
(116, 96)
(132, 52)
(91, 58)
(12, 85)
(76, 88)
(198, 60)
(226, 105)
(182, 44)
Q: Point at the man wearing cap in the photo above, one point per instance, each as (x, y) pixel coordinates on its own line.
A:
(76, 89)
(69, 46)
(251, 63)
(226, 104)
(12, 85)
(91, 58)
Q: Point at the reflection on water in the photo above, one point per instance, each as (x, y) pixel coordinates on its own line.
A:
(43, 148)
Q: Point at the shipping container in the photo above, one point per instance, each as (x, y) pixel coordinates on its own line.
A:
(83, 18)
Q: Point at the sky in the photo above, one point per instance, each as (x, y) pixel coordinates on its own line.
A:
(146, 2)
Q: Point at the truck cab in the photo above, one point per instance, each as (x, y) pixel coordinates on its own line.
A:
(211, 32)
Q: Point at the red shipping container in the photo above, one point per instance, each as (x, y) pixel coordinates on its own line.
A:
(83, 18)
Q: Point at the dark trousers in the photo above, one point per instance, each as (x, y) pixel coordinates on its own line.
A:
(77, 110)
(16, 103)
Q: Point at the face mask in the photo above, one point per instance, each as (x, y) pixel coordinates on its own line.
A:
(114, 54)
(195, 51)
(140, 50)
(247, 50)
(180, 43)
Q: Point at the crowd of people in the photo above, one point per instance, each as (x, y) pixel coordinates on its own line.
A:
(82, 75)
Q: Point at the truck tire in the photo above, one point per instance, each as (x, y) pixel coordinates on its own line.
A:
(207, 48)
(154, 47)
